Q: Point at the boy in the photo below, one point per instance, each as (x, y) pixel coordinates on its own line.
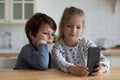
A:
(40, 31)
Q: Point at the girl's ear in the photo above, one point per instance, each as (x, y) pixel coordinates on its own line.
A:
(31, 35)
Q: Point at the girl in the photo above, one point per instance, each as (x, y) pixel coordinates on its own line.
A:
(71, 51)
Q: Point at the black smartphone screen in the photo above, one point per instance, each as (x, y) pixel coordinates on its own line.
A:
(93, 58)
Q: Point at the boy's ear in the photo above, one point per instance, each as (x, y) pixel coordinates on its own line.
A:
(31, 35)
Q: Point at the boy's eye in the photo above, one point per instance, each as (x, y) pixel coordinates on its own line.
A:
(53, 34)
(48, 34)
(45, 33)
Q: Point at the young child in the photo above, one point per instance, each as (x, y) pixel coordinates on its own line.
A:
(40, 31)
(71, 51)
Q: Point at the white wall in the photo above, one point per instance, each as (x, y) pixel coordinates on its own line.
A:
(18, 37)
(102, 20)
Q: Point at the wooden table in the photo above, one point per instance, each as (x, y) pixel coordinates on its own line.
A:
(108, 52)
(9, 54)
(112, 52)
(54, 74)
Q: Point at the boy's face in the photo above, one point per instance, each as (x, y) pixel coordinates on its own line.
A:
(45, 33)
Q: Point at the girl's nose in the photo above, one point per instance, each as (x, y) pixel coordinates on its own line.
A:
(74, 29)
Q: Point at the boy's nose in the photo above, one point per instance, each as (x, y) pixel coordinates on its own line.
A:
(50, 38)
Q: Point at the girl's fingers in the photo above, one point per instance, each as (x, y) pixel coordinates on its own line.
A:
(95, 73)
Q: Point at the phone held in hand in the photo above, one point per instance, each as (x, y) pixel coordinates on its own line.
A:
(93, 58)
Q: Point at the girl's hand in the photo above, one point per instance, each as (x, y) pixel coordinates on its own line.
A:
(99, 69)
(78, 70)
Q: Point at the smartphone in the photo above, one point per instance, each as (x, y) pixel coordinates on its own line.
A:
(93, 58)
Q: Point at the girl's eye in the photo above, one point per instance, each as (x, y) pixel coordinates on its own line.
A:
(79, 27)
(69, 26)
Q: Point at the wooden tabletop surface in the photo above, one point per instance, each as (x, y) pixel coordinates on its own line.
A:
(107, 52)
(112, 52)
(9, 54)
(54, 74)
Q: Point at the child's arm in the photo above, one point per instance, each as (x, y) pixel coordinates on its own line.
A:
(100, 69)
(37, 59)
(104, 63)
(36, 42)
(78, 70)
(59, 59)
(68, 67)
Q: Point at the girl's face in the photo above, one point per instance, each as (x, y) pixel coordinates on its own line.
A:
(46, 33)
(73, 28)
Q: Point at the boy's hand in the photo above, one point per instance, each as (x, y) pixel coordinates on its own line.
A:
(78, 70)
(99, 69)
(36, 41)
